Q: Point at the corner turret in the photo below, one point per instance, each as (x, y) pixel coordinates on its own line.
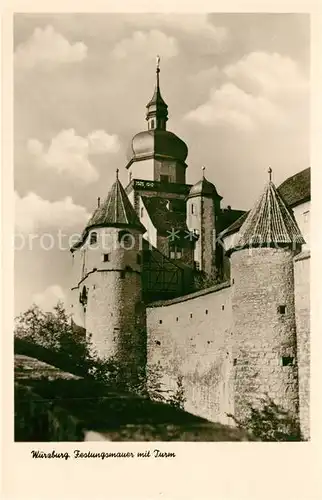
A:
(107, 280)
(264, 335)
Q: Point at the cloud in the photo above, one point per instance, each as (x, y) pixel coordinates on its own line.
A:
(270, 73)
(148, 43)
(68, 153)
(48, 299)
(229, 104)
(263, 88)
(210, 38)
(47, 48)
(33, 213)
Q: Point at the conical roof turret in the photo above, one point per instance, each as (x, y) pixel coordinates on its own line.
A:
(270, 223)
(116, 210)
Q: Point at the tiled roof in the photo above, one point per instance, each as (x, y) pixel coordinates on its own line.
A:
(229, 218)
(294, 190)
(269, 222)
(163, 218)
(116, 211)
(203, 188)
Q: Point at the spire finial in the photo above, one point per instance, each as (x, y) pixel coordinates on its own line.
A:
(270, 174)
(117, 174)
(158, 64)
(98, 202)
(203, 172)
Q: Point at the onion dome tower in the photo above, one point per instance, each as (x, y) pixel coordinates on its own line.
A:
(264, 336)
(107, 279)
(203, 205)
(156, 153)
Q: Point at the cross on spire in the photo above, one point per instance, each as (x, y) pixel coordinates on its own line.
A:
(203, 171)
(158, 63)
(117, 173)
(270, 174)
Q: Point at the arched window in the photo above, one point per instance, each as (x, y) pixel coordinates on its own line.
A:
(152, 123)
(126, 240)
(93, 238)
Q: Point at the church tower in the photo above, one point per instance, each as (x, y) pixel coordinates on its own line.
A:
(203, 207)
(156, 154)
(263, 308)
(107, 279)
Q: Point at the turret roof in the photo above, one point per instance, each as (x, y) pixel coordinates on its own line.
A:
(270, 222)
(116, 210)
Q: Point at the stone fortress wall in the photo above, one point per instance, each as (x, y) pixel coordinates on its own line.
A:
(192, 336)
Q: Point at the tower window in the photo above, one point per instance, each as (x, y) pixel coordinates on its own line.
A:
(106, 257)
(282, 309)
(126, 239)
(164, 179)
(287, 361)
(192, 208)
(152, 123)
(175, 252)
(141, 212)
(93, 238)
(160, 321)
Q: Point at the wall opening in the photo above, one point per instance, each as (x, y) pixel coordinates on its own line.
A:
(160, 321)
(93, 238)
(281, 309)
(287, 360)
(106, 257)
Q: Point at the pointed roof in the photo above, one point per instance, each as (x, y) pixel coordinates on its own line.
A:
(269, 223)
(204, 188)
(157, 106)
(116, 210)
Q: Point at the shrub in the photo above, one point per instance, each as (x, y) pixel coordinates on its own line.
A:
(270, 422)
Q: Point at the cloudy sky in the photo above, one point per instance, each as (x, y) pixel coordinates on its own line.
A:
(237, 87)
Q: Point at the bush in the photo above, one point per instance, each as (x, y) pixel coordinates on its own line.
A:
(270, 422)
(50, 337)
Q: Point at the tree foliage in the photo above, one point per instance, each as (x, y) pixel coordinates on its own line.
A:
(71, 351)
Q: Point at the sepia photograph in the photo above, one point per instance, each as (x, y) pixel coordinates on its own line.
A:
(162, 228)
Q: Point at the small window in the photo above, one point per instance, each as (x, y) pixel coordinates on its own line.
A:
(138, 259)
(175, 252)
(232, 281)
(126, 239)
(287, 360)
(122, 274)
(206, 311)
(190, 315)
(164, 179)
(152, 123)
(158, 342)
(177, 319)
(222, 307)
(141, 212)
(160, 321)
(106, 257)
(93, 238)
(282, 309)
(192, 208)
(235, 361)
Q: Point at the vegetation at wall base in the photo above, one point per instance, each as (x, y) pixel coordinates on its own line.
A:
(269, 422)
